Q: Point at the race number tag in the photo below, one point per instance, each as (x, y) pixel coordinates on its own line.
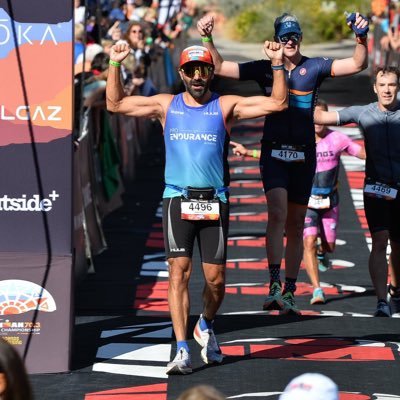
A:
(380, 190)
(198, 210)
(288, 153)
(319, 202)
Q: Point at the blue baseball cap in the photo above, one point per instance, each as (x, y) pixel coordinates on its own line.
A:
(287, 27)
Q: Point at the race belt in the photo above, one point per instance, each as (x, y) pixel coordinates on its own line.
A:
(319, 202)
(288, 152)
(379, 190)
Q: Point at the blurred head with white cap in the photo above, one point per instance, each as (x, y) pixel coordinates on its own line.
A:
(311, 386)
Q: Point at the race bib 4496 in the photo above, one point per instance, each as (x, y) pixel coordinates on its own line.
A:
(199, 210)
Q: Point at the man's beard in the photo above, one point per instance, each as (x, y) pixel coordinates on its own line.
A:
(197, 94)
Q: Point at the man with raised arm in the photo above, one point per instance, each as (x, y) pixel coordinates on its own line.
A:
(196, 126)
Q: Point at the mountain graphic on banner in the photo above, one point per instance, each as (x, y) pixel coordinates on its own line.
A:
(48, 89)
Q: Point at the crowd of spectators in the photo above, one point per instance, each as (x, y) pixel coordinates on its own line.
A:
(385, 16)
(150, 27)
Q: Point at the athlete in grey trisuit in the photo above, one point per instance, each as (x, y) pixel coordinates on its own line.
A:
(379, 123)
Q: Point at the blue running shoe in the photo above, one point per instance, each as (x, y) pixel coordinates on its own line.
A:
(318, 296)
(323, 262)
(274, 300)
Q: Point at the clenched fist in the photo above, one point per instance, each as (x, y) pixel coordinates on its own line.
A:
(274, 51)
(119, 51)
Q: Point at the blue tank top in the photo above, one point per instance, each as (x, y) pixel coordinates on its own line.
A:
(196, 147)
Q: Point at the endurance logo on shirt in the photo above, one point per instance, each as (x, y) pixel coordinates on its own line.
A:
(193, 136)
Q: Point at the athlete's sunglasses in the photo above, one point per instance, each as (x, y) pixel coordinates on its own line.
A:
(294, 37)
(203, 70)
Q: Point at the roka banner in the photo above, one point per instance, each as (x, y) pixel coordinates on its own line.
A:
(36, 119)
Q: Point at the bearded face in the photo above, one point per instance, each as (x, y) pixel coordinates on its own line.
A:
(197, 78)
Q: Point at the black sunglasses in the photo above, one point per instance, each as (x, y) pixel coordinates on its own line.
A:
(294, 37)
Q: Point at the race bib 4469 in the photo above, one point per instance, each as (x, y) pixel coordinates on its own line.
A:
(380, 190)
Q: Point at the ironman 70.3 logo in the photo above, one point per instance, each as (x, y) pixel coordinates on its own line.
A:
(18, 297)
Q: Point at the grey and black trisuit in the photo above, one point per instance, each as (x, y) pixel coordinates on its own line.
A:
(381, 131)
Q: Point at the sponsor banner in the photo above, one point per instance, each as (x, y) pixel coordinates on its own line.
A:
(35, 309)
(36, 60)
(36, 114)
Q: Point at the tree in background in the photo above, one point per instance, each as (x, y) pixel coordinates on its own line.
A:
(253, 20)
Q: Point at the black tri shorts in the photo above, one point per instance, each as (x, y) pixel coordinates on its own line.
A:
(295, 177)
(383, 215)
(180, 234)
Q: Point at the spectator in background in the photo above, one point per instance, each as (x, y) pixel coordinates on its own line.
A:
(14, 382)
(173, 27)
(106, 6)
(202, 392)
(137, 63)
(79, 36)
(393, 39)
(167, 9)
(95, 82)
(118, 12)
(99, 66)
(92, 30)
(137, 10)
(114, 33)
(90, 84)
(104, 25)
(84, 61)
(149, 23)
(107, 44)
(311, 386)
(150, 16)
(187, 13)
(79, 12)
(388, 23)
(136, 39)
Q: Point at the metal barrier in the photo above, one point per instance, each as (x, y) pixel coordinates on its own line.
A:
(381, 57)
